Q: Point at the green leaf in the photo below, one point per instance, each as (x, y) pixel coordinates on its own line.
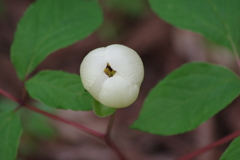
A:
(49, 25)
(101, 110)
(10, 132)
(7, 105)
(59, 90)
(33, 123)
(217, 20)
(186, 98)
(233, 151)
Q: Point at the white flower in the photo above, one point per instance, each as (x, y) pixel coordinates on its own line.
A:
(112, 75)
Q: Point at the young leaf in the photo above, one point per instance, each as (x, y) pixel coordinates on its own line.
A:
(101, 110)
(10, 132)
(48, 25)
(186, 98)
(217, 20)
(59, 90)
(233, 151)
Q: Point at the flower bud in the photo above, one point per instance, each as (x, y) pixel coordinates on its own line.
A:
(112, 75)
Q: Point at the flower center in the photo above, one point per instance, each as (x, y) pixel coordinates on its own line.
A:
(109, 71)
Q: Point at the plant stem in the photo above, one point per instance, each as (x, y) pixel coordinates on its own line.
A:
(105, 137)
(110, 143)
(24, 91)
(85, 129)
(108, 139)
(110, 125)
(4, 93)
(211, 146)
(23, 99)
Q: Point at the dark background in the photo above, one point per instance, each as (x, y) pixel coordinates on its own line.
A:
(162, 48)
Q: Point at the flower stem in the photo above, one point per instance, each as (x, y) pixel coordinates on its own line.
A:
(108, 139)
(110, 125)
(211, 146)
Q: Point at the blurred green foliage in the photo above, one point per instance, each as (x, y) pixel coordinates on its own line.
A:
(36, 127)
(10, 132)
(33, 123)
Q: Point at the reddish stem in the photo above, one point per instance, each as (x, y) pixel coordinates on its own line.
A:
(114, 147)
(9, 96)
(108, 140)
(85, 129)
(105, 138)
(211, 146)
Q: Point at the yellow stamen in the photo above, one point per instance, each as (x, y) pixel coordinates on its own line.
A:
(109, 71)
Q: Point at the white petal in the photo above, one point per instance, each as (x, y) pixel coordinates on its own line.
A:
(96, 88)
(92, 67)
(126, 62)
(118, 92)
